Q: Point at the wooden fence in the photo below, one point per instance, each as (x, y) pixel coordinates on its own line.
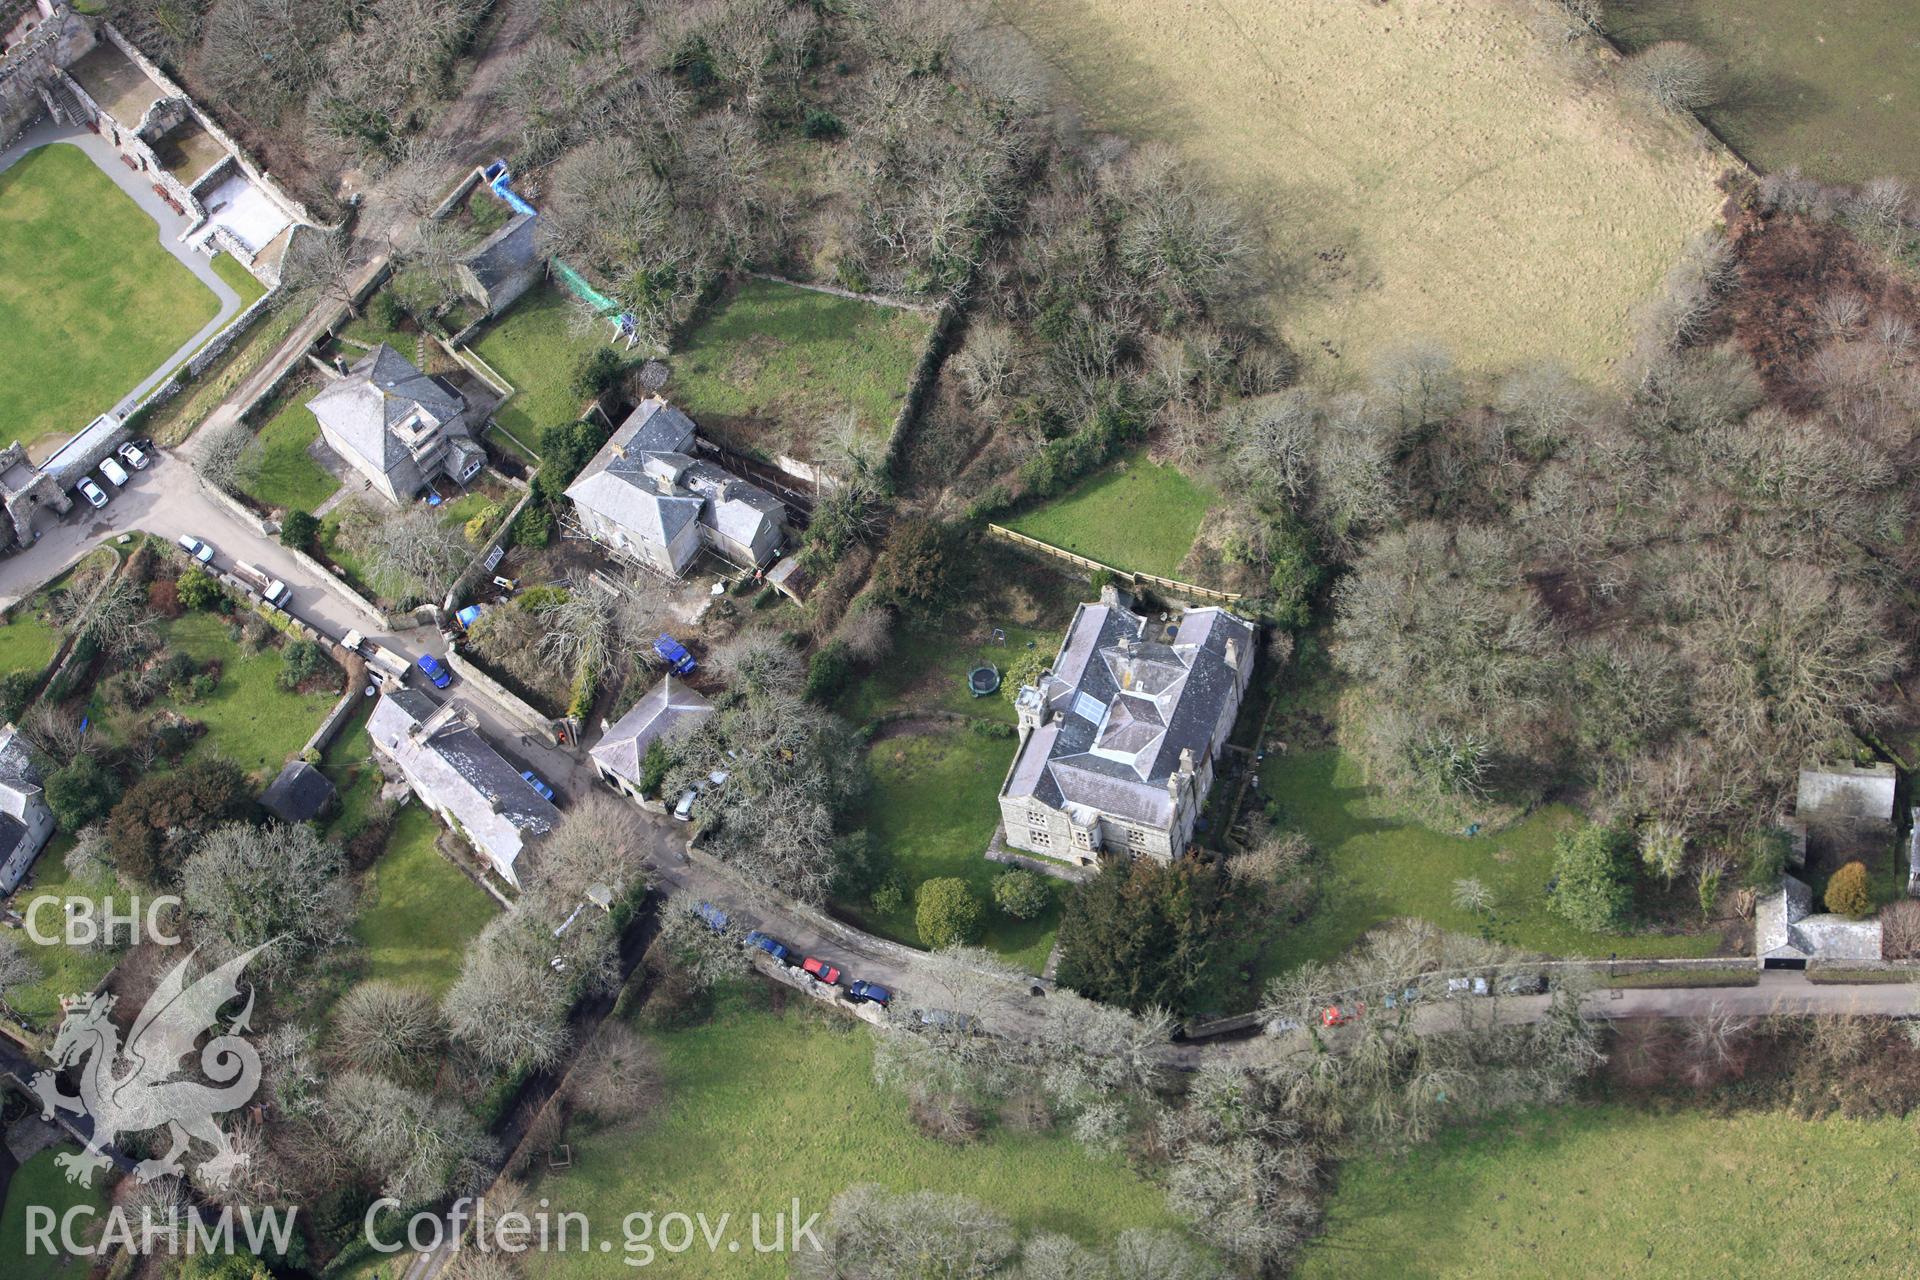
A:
(1173, 585)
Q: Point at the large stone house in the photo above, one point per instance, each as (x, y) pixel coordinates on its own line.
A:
(456, 772)
(1119, 738)
(647, 495)
(25, 820)
(621, 754)
(399, 427)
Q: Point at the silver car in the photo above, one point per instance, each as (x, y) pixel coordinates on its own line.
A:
(197, 549)
(92, 492)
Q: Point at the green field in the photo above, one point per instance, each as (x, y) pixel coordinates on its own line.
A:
(1138, 515)
(27, 641)
(1604, 1190)
(928, 667)
(64, 970)
(239, 279)
(419, 911)
(764, 1107)
(1833, 88)
(92, 302)
(777, 369)
(933, 808)
(41, 1182)
(1377, 865)
(532, 349)
(276, 468)
(348, 762)
(250, 719)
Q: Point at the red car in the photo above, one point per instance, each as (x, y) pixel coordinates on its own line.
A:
(822, 970)
(1337, 1015)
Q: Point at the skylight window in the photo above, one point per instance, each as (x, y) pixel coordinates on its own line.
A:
(1088, 707)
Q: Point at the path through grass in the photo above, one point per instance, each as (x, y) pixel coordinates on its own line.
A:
(92, 302)
(1587, 1190)
(1138, 515)
(762, 1107)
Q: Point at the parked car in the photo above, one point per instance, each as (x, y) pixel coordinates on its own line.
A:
(675, 655)
(201, 551)
(683, 812)
(716, 918)
(435, 672)
(827, 973)
(1339, 1015)
(131, 455)
(1525, 984)
(1397, 1000)
(772, 946)
(114, 472)
(943, 1020)
(870, 992)
(91, 492)
(1466, 987)
(533, 780)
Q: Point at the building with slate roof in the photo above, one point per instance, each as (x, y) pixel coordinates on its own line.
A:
(25, 820)
(299, 793)
(398, 426)
(455, 771)
(1118, 739)
(646, 494)
(503, 266)
(621, 752)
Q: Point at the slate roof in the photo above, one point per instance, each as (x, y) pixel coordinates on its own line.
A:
(460, 771)
(647, 480)
(382, 393)
(1122, 703)
(666, 707)
(1843, 791)
(299, 793)
(504, 254)
(1784, 927)
(21, 775)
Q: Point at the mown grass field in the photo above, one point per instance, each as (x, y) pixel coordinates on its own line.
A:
(41, 1182)
(1833, 87)
(933, 808)
(1137, 515)
(64, 970)
(779, 369)
(276, 466)
(1603, 1190)
(419, 912)
(928, 667)
(238, 279)
(532, 349)
(92, 302)
(762, 1107)
(1423, 167)
(27, 641)
(1377, 865)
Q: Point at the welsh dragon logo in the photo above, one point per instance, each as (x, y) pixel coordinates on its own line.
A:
(134, 1089)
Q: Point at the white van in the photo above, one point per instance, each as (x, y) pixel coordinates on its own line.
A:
(114, 472)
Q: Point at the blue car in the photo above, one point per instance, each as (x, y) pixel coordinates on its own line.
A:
(716, 918)
(675, 655)
(870, 991)
(440, 676)
(772, 946)
(533, 780)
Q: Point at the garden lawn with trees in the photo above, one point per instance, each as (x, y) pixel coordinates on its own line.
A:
(93, 302)
(534, 347)
(418, 911)
(932, 809)
(777, 369)
(27, 641)
(276, 470)
(1376, 864)
(1138, 515)
(66, 970)
(1655, 1193)
(766, 1106)
(43, 1184)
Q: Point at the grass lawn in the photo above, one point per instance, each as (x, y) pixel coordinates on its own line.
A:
(250, 719)
(933, 808)
(1586, 1190)
(41, 1182)
(778, 368)
(238, 279)
(1832, 88)
(27, 641)
(278, 469)
(366, 328)
(1376, 866)
(64, 970)
(92, 302)
(927, 670)
(532, 349)
(762, 1107)
(419, 912)
(348, 762)
(1503, 208)
(1139, 516)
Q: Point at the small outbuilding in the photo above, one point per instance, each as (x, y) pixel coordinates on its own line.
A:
(300, 794)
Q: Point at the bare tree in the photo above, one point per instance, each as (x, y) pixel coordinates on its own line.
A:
(1674, 75)
(617, 1078)
(326, 264)
(600, 628)
(1472, 895)
(875, 1234)
(867, 633)
(411, 554)
(17, 969)
(987, 362)
(600, 843)
(279, 885)
(387, 1029)
(219, 451)
(419, 1148)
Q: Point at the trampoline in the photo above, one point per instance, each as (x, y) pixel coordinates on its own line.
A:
(983, 680)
